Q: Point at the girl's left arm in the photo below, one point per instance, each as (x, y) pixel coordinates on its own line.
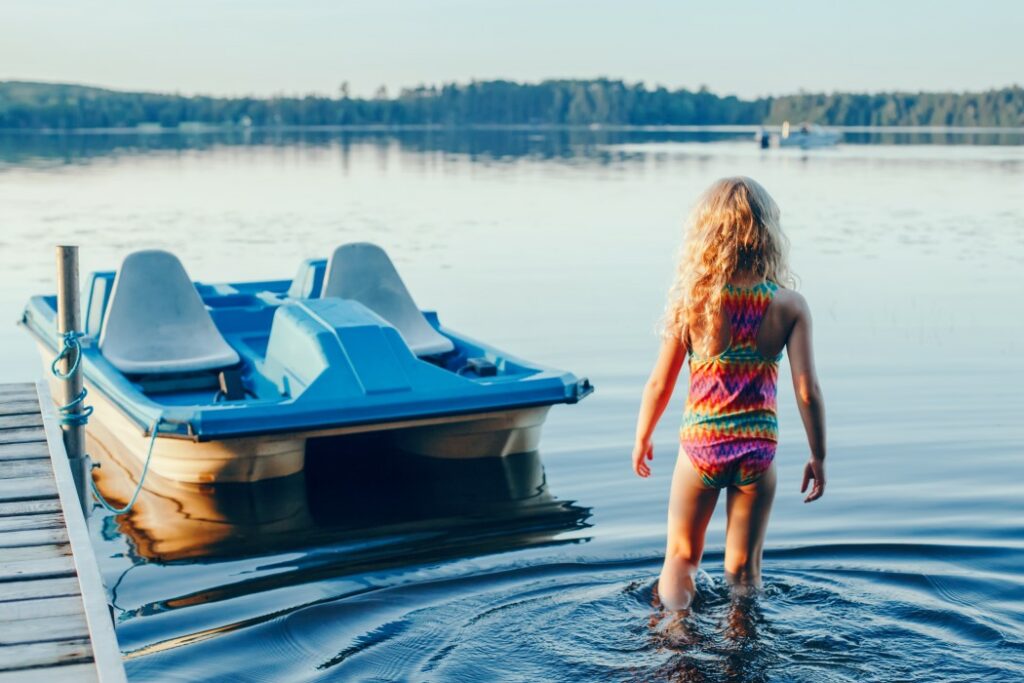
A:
(657, 393)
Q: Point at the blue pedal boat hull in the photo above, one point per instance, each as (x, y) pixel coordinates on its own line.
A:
(312, 368)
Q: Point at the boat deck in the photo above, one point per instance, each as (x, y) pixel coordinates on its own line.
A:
(55, 624)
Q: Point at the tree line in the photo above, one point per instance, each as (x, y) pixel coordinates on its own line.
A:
(25, 105)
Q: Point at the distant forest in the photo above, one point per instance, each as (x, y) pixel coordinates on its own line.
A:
(26, 105)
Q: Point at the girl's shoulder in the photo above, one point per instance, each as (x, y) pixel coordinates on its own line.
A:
(791, 296)
(791, 303)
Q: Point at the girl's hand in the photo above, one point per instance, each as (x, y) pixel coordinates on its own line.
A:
(643, 452)
(814, 469)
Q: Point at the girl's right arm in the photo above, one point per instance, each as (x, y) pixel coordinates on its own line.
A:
(657, 393)
(809, 398)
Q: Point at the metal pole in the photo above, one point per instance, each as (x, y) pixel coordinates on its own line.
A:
(69, 318)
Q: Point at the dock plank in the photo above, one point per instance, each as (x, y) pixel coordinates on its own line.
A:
(26, 538)
(19, 407)
(20, 568)
(26, 397)
(29, 629)
(42, 553)
(21, 420)
(22, 435)
(69, 673)
(38, 468)
(30, 655)
(17, 388)
(43, 608)
(27, 488)
(16, 508)
(24, 450)
(38, 588)
(42, 520)
(17, 553)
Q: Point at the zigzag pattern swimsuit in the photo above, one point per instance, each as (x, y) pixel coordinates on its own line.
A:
(730, 427)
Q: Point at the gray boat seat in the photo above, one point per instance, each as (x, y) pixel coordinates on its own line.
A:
(363, 272)
(156, 323)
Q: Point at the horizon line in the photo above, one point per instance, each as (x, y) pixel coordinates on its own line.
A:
(441, 84)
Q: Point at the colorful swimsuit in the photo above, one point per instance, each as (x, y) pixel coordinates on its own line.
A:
(730, 426)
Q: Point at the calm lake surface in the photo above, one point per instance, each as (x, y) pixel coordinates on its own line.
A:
(559, 247)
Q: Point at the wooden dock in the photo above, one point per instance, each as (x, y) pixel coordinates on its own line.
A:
(55, 624)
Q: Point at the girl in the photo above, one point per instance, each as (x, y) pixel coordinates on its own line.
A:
(731, 310)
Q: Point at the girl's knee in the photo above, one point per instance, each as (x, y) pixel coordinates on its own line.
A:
(682, 555)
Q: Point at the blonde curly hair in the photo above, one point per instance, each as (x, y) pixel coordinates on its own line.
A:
(734, 227)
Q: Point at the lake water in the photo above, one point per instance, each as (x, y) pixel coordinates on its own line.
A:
(559, 246)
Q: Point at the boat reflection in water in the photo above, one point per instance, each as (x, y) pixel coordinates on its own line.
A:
(371, 508)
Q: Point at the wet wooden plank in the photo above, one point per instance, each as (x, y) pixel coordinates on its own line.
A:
(17, 388)
(21, 420)
(38, 468)
(19, 407)
(42, 520)
(59, 653)
(70, 673)
(12, 508)
(37, 588)
(19, 553)
(44, 608)
(27, 488)
(15, 404)
(14, 566)
(35, 629)
(23, 451)
(27, 538)
(22, 435)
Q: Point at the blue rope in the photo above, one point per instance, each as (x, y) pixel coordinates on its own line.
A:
(142, 478)
(76, 419)
(70, 344)
(81, 418)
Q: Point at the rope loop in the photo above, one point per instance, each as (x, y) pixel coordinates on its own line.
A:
(68, 416)
(71, 344)
(76, 419)
(142, 478)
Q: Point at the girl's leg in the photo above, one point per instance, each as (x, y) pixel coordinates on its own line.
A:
(689, 511)
(748, 507)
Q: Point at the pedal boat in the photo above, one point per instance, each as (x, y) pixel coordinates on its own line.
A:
(237, 378)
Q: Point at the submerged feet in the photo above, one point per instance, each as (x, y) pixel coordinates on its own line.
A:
(743, 616)
(681, 619)
(676, 585)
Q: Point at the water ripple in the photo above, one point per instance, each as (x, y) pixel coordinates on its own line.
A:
(600, 620)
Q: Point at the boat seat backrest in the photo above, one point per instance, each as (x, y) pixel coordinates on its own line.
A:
(364, 273)
(309, 280)
(156, 323)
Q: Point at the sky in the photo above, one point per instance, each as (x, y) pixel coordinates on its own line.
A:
(741, 47)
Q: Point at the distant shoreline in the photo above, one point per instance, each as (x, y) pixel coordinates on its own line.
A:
(384, 128)
(553, 104)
